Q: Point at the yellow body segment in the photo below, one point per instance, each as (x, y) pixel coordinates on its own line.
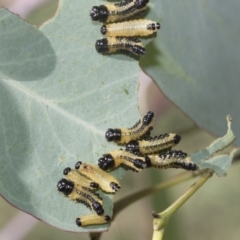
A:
(106, 181)
(157, 145)
(173, 159)
(126, 159)
(123, 44)
(140, 27)
(75, 196)
(158, 162)
(85, 192)
(81, 195)
(140, 130)
(121, 13)
(79, 180)
(113, 45)
(92, 219)
(134, 133)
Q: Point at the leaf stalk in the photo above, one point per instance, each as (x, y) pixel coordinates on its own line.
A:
(161, 219)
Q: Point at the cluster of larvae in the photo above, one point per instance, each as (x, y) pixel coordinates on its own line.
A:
(121, 36)
(142, 151)
(81, 184)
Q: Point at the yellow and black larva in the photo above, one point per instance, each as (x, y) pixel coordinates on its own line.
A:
(106, 181)
(140, 130)
(87, 192)
(119, 11)
(128, 45)
(92, 219)
(128, 160)
(77, 193)
(173, 159)
(75, 177)
(140, 27)
(154, 144)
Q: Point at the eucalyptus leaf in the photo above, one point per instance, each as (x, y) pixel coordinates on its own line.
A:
(58, 97)
(195, 59)
(208, 158)
(220, 163)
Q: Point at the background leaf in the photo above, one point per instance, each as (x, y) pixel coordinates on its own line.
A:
(195, 59)
(58, 97)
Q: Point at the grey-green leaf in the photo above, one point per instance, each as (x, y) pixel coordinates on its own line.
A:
(58, 96)
(195, 59)
(220, 163)
(208, 158)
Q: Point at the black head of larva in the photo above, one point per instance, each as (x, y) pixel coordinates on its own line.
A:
(177, 139)
(102, 45)
(107, 218)
(148, 162)
(98, 208)
(142, 164)
(141, 3)
(106, 162)
(78, 164)
(138, 163)
(114, 186)
(66, 170)
(99, 13)
(113, 134)
(148, 118)
(65, 186)
(78, 222)
(132, 146)
(104, 29)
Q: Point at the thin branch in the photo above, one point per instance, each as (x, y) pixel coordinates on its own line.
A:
(161, 219)
(126, 201)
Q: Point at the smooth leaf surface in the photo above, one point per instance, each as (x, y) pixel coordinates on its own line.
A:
(58, 97)
(195, 59)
